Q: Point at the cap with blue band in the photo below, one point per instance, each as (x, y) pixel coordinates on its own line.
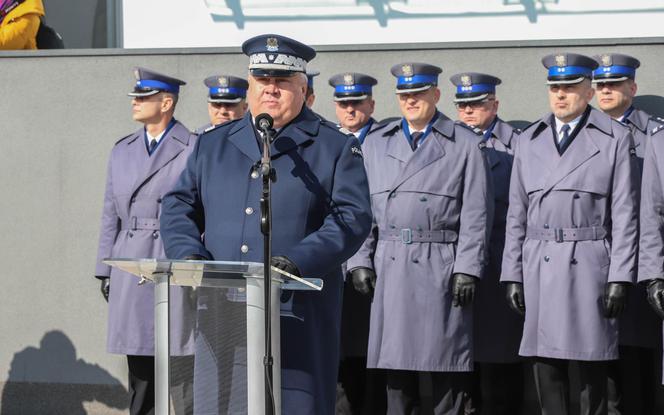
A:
(473, 86)
(415, 76)
(351, 86)
(149, 83)
(568, 68)
(226, 88)
(311, 74)
(615, 67)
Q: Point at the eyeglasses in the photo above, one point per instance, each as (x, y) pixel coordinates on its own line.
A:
(472, 104)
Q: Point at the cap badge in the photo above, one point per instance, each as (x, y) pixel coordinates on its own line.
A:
(348, 79)
(407, 70)
(465, 80)
(272, 44)
(561, 60)
(606, 60)
(223, 81)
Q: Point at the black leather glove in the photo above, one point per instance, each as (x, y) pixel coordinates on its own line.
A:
(463, 289)
(515, 297)
(364, 280)
(615, 298)
(656, 296)
(195, 257)
(285, 264)
(105, 287)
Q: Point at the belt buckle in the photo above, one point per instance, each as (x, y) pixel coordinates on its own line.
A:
(558, 235)
(407, 236)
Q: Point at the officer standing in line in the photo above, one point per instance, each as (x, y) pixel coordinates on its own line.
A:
(430, 199)
(571, 238)
(144, 166)
(321, 213)
(497, 328)
(311, 95)
(364, 388)
(354, 103)
(634, 375)
(226, 99)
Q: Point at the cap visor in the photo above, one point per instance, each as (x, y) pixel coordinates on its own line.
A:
(471, 99)
(410, 90)
(225, 100)
(279, 73)
(606, 80)
(143, 94)
(565, 81)
(350, 98)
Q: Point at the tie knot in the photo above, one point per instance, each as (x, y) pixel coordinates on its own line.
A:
(565, 128)
(153, 144)
(415, 138)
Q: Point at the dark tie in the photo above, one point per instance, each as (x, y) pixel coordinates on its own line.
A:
(152, 145)
(415, 139)
(565, 139)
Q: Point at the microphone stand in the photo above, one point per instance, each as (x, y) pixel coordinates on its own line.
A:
(264, 122)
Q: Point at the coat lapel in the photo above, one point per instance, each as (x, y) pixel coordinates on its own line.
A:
(243, 136)
(174, 143)
(431, 150)
(397, 146)
(302, 129)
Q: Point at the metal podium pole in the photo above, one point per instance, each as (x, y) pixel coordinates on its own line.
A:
(161, 343)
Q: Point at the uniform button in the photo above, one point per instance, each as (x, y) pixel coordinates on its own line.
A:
(392, 227)
(415, 260)
(393, 195)
(133, 200)
(254, 174)
(155, 235)
(392, 258)
(131, 235)
(573, 261)
(244, 249)
(249, 210)
(546, 226)
(159, 200)
(423, 199)
(576, 196)
(546, 258)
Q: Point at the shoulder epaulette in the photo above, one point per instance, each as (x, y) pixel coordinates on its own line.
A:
(476, 130)
(124, 138)
(657, 129)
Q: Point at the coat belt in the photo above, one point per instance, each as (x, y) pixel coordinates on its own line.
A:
(408, 236)
(592, 233)
(135, 223)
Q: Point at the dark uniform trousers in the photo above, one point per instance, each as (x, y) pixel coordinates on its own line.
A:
(450, 392)
(633, 381)
(498, 388)
(141, 384)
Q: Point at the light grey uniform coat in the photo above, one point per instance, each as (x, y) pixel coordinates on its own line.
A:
(639, 325)
(135, 185)
(588, 187)
(497, 328)
(443, 185)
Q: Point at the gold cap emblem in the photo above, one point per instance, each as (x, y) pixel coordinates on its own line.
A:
(606, 60)
(561, 60)
(272, 44)
(465, 80)
(407, 70)
(223, 81)
(348, 79)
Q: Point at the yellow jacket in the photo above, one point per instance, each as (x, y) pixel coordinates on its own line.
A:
(18, 29)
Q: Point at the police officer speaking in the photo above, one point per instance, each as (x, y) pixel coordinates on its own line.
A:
(321, 211)
(571, 237)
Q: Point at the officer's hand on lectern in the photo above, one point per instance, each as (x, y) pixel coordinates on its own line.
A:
(364, 280)
(463, 289)
(515, 297)
(656, 296)
(285, 264)
(615, 298)
(105, 287)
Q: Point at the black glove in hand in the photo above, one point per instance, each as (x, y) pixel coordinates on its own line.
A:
(195, 257)
(105, 287)
(615, 298)
(515, 297)
(656, 296)
(463, 289)
(285, 264)
(364, 280)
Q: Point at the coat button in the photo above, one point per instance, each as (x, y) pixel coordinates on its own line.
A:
(244, 249)
(573, 261)
(159, 200)
(249, 210)
(254, 174)
(392, 227)
(155, 235)
(133, 200)
(423, 199)
(546, 258)
(576, 196)
(392, 258)
(546, 226)
(415, 260)
(392, 195)
(131, 234)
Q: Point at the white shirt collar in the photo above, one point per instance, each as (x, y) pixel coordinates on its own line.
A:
(572, 125)
(158, 137)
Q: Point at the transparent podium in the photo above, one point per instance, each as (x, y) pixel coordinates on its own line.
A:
(209, 325)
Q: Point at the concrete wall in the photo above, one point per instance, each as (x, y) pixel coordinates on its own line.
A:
(61, 114)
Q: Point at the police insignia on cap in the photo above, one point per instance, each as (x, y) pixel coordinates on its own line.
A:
(348, 79)
(465, 80)
(223, 81)
(561, 60)
(272, 44)
(407, 70)
(606, 60)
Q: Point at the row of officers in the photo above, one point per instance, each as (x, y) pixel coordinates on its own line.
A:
(471, 250)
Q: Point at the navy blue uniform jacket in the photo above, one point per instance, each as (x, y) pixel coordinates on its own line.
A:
(321, 214)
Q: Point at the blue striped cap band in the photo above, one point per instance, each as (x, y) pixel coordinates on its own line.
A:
(417, 79)
(556, 71)
(615, 70)
(476, 88)
(349, 89)
(240, 92)
(162, 86)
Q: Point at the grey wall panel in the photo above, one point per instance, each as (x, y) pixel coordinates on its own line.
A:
(61, 116)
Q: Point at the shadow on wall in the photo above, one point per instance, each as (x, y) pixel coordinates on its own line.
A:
(652, 104)
(51, 380)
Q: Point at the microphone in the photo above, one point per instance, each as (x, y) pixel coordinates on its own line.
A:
(264, 122)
